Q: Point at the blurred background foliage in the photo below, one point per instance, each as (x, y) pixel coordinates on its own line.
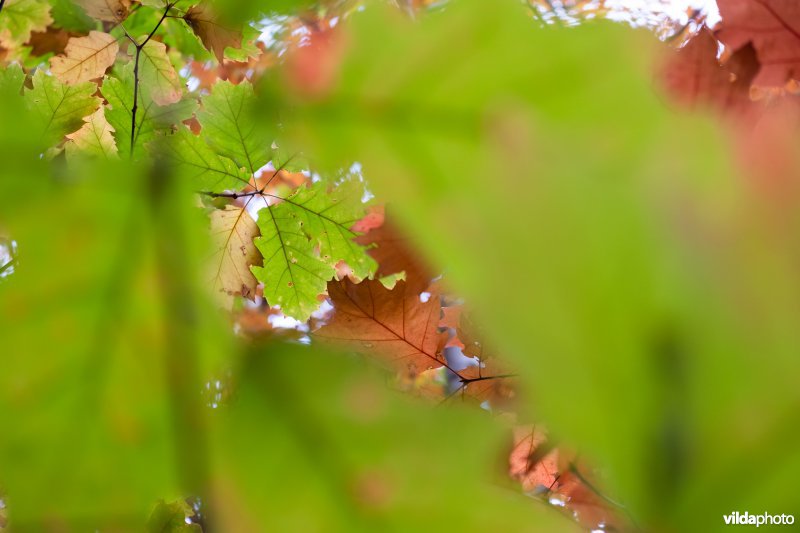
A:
(635, 278)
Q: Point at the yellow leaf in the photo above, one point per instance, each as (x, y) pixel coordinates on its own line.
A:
(232, 233)
(85, 58)
(93, 139)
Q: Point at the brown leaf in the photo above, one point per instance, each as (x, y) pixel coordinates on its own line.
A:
(393, 326)
(394, 253)
(109, 10)
(53, 40)
(85, 58)
(773, 28)
(532, 461)
(209, 28)
(232, 233)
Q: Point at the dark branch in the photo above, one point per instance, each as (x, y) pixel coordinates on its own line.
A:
(2, 3)
(136, 72)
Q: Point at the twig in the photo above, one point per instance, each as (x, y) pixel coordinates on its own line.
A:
(2, 3)
(136, 72)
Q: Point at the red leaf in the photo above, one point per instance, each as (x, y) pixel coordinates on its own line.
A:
(773, 28)
(393, 326)
(394, 253)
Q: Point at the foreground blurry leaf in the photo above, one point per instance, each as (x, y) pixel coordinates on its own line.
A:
(85, 58)
(362, 456)
(550, 184)
(100, 392)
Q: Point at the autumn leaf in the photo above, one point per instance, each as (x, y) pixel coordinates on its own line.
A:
(108, 10)
(95, 138)
(21, 17)
(694, 76)
(207, 25)
(773, 28)
(85, 58)
(53, 40)
(232, 233)
(389, 246)
(158, 75)
(394, 326)
(532, 461)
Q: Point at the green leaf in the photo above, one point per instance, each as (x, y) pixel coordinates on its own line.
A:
(11, 78)
(293, 274)
(21, 17)
(151, 119)
(171, 518)
(59, 108)
(230, 126)
(100, 393)
(207, 170)
(157, 76)
(541, 167)
(326, 215)
(69, 16)
(390, 464)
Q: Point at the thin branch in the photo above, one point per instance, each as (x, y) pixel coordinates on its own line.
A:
(136, 72)
(2, 3)
(12, 262)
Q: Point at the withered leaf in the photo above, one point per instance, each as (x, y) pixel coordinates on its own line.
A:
(393, 326)
(390, 247)
(232, 233)
(108, 10)
(215, 35)
(85, 58)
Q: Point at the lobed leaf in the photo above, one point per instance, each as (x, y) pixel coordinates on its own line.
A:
(85, 58)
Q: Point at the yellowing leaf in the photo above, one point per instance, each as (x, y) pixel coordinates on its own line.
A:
(85, 58)
(158, 75)
(93, 139)
(209, 28)
(21, 17)
(233, 231)
(110, 10)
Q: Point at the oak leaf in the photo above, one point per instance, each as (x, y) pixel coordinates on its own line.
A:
(158, 75)
(389, 246)
(19, 18)
(232, 232)
(95, 138)
(393, 326)
(215, 36)
(85, 58)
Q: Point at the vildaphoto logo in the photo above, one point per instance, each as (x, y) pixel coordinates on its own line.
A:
(747, 519)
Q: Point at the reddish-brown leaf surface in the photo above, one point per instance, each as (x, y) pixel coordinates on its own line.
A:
(393, 326)
(773, 28)
(215, 34)
(532, 461)
(393, 252)
(693, 76)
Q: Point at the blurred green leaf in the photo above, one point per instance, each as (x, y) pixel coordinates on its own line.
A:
(541, 167)
(20, 18)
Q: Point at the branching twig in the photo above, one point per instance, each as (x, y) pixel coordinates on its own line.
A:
(136, 70)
